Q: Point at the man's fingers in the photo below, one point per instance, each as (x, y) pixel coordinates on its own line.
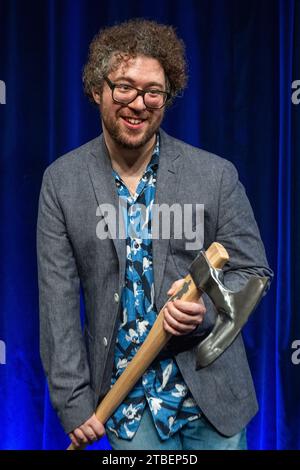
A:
(186, 326)
(96, 426)
(74, 441)
(90, 433)
(175, 286)
(193, 315)
(171, 330)
(190, 308)
(99, 430)
(80, 436)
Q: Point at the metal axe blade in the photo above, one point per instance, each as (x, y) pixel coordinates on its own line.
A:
(233, 308)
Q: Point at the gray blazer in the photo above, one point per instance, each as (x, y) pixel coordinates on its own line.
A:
(71, 258)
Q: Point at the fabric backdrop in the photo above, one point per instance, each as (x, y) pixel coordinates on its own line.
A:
(243, 58)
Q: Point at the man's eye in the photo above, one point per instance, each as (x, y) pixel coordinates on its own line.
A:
(154, 92)
(124, 87)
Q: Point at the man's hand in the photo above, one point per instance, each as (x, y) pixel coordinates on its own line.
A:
(182, 317)
(88, 432)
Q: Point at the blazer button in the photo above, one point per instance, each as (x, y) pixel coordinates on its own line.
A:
(116, 297)
(105, 342)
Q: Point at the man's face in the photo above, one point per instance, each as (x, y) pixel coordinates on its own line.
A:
(141, 72)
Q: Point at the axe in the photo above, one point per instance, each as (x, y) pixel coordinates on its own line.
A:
(233, 310)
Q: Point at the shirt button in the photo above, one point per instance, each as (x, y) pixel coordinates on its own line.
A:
(116, 297)
(105, 342)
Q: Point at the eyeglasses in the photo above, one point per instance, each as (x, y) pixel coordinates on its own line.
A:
(125, 94)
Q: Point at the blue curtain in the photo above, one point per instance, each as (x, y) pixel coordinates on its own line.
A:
(243, 58)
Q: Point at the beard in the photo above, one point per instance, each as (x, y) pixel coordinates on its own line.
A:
(130, 139)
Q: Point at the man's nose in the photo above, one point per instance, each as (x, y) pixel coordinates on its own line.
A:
(138, 103)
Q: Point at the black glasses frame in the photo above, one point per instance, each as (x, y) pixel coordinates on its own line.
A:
(140, 92)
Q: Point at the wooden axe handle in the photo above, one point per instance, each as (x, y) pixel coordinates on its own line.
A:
(154, 343)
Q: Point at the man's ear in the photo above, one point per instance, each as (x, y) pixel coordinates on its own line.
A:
(96, 96)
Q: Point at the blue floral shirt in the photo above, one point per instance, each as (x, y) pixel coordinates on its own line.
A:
(162, 385)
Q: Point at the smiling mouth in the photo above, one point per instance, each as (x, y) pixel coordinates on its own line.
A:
(133, 120)
(133, 123)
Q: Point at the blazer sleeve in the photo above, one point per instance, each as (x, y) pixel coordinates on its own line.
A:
(237, 230)
(62, 346)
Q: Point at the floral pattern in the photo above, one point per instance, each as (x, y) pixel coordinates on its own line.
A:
(162, 385)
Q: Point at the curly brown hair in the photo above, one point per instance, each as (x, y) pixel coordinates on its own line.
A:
(115, 44)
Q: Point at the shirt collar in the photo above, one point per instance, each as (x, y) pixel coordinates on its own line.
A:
(153, 164)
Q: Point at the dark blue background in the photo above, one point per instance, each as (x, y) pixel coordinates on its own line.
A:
(243, 57)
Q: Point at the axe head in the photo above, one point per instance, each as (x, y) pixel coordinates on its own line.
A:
(233, 308)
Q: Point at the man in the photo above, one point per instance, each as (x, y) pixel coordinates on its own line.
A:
(134, 70)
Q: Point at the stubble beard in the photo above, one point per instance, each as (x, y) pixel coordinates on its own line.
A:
(125, 140)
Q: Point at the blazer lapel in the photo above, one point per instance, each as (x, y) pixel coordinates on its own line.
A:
(166, 190)
(100, 171)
